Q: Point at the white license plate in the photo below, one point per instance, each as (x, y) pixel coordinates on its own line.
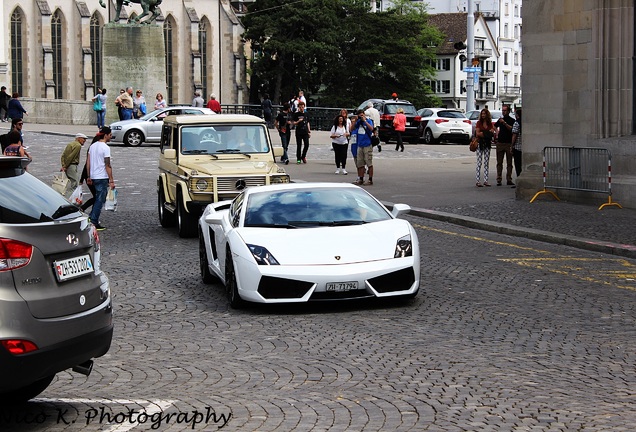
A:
(457, 131)
(342, 286)
(408, 123)
(73, 267)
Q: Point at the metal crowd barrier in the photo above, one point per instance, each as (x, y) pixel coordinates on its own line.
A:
(586, 169)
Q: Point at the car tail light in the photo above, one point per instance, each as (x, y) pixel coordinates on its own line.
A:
(19, 346)
(467, 121)
(438, 121)
(14, 254)
(386, 117)
(418, 118)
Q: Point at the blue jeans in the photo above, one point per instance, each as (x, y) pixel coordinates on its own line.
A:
(127, 113)
(101, 118)
(284, 140)
(101, 190)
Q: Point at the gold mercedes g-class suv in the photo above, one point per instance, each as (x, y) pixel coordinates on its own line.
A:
(210, 158)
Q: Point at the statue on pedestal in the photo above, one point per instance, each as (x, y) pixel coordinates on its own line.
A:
(150, 7)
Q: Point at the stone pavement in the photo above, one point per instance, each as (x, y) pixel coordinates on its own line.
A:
(438, 183)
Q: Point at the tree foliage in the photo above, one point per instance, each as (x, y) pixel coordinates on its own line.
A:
(339, 51)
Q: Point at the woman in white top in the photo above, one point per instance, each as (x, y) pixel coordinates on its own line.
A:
(160, 102)
(340, 142)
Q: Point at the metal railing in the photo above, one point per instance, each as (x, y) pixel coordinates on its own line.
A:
(586, 169)
(320, 118)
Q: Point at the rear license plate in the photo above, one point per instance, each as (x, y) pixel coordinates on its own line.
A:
(342, 286)
(456, 131)
(73, 267)
(408, 123)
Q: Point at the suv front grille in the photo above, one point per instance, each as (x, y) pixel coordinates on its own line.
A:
(225, 184)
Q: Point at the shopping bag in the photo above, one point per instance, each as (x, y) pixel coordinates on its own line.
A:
(60, 183)
(111, 200)
(77, 197)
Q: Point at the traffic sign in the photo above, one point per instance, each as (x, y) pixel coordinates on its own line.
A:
(472, 69)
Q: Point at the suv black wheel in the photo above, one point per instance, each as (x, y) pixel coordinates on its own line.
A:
(166, 219)
(231, 288)
(186, 222)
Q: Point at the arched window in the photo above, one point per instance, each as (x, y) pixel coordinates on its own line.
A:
(203, 47)
(56, 45)
(167, 37)
(17, 51)
(96, 48)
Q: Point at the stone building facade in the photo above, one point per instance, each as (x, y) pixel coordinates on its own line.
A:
(578, 86)
(52, 50)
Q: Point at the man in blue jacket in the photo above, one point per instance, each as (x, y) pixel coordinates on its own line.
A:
(363, 128)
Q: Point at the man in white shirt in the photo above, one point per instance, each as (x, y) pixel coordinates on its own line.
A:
(100, 173)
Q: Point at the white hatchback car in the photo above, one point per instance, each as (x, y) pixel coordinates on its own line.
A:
(444, 124)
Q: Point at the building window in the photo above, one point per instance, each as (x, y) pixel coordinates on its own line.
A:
(490, 66)
(56, 45)
(203, 49)
(17, 37)
(516, 10)
(167, 37)
(506, 9)
(516, 59)
(516, 32)
(516, 80)
(462, 86)
(96, 48)
(505, 30)
(506, 58)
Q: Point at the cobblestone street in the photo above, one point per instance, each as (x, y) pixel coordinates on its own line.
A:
(506, 334)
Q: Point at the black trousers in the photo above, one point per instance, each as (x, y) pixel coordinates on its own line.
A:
(302, 140)
(340, 152)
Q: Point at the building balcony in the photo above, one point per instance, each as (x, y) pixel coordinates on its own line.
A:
(485, 96)
(483, 52)
(508, 91)
(486, 75)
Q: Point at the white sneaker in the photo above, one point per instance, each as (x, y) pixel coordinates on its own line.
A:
(344, 171)
(337, 170)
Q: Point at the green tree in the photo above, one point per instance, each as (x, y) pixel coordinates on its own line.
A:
(340, 50)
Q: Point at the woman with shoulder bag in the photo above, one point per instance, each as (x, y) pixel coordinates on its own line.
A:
(340, 142)
(485, 132)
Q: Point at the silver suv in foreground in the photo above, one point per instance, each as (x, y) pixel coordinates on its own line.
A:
(55, 303)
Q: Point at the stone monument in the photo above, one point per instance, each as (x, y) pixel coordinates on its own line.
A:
(133, 55)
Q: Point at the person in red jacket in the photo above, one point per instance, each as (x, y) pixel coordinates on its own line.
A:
(214, 104)
(399, 125)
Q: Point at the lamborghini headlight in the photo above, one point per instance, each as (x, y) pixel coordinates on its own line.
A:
(262, 255)
(403, 248)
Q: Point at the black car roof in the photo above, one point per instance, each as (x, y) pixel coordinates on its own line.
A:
(12, 166)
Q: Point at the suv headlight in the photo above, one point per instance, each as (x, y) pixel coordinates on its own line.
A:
(201, 185)
(279, 179)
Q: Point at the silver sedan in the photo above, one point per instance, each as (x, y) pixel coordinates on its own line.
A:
(148, 128)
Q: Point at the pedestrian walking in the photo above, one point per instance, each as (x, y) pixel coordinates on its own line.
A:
(101, 114)
(214, 104)
(160, 102)
(100, 173)
(516, 143)
(399, 126)
(282, 123)
(198, 100)
(139, 104)
(362, 128)
(504, 145)
(266, 106)
(4, 103)
(15, 110)
(70, 159)
(340, 142)
(485, 131)
(126, 102)
(303, 133)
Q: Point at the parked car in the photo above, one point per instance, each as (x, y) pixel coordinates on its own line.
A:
(473, 116)
(205, 159)
(55, 303)
(443, 124)
(387, 109)
(306, 242)
(148, 128)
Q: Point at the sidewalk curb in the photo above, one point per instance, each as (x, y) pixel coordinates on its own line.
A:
(623, 250)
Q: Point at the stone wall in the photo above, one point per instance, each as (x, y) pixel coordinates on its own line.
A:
(577, 88)
(59, 111)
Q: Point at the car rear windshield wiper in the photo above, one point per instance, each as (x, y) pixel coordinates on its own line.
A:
(64, 210)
